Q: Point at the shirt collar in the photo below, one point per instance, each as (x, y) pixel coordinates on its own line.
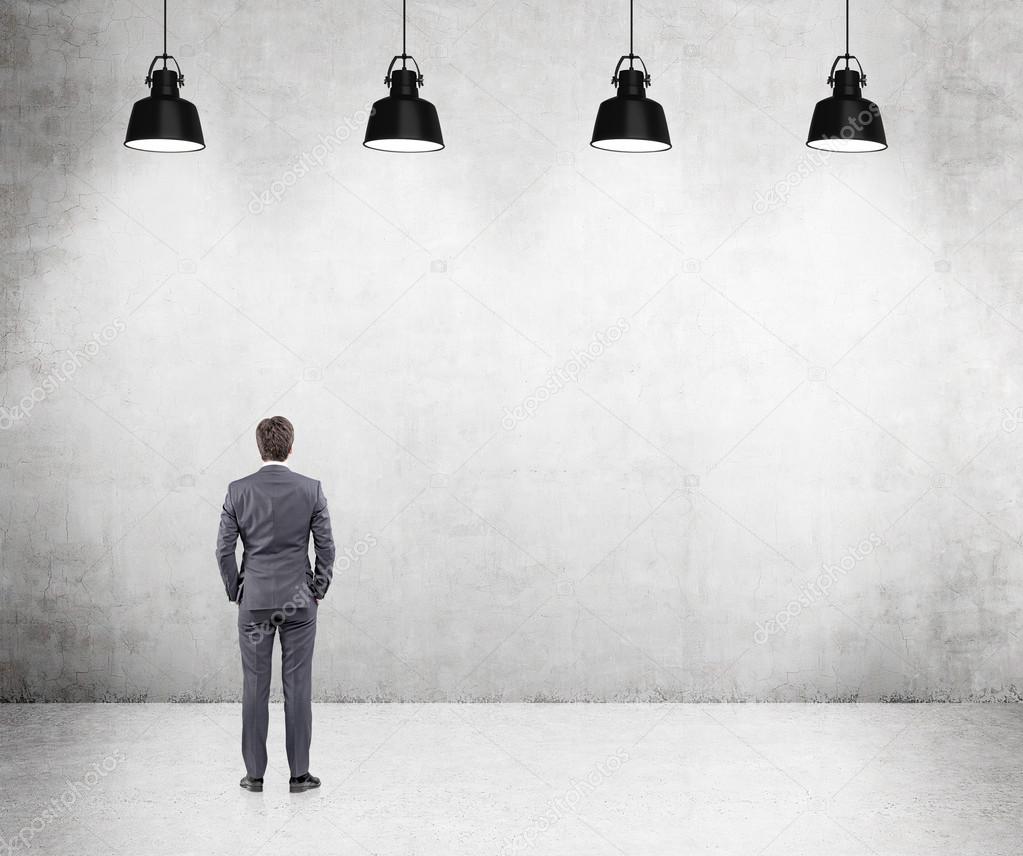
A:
(274, 464)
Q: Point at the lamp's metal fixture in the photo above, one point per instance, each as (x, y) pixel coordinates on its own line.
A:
(630, 122)
(403, 122)
(164, 121)
(846, 121)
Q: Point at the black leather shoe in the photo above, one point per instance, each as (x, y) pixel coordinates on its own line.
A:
(303, 783)
(251, 784)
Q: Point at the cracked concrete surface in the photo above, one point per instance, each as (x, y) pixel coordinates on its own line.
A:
(795, 476)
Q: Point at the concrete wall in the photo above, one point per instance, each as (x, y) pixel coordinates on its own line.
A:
(791, 471)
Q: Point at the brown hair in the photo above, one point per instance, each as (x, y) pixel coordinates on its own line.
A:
(274, 437)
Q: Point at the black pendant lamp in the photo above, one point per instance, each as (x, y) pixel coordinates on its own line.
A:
(164, 122)
(403, 122)
(846, 121)
(630, 122)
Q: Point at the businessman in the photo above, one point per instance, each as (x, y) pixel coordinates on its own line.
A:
(273, 511)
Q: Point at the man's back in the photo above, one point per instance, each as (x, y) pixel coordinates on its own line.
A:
(274, 511)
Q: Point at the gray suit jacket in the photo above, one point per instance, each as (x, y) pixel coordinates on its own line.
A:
(273, 511)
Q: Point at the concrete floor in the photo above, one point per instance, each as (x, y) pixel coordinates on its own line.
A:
(547, 779)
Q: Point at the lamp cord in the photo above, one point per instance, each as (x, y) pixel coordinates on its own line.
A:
(404, 53)
(631, 54)
(847, 34)
(164, 33)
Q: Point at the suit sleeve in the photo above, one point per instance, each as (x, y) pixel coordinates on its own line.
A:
(226, 541)
(323, 544)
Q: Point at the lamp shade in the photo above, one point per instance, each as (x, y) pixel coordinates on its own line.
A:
(846, 122)
(164, 121)
(404, 122)
(631, 122)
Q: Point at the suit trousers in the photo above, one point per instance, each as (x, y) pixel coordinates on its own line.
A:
(256, 630)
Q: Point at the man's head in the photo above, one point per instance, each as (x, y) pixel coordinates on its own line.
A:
(275, 437)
